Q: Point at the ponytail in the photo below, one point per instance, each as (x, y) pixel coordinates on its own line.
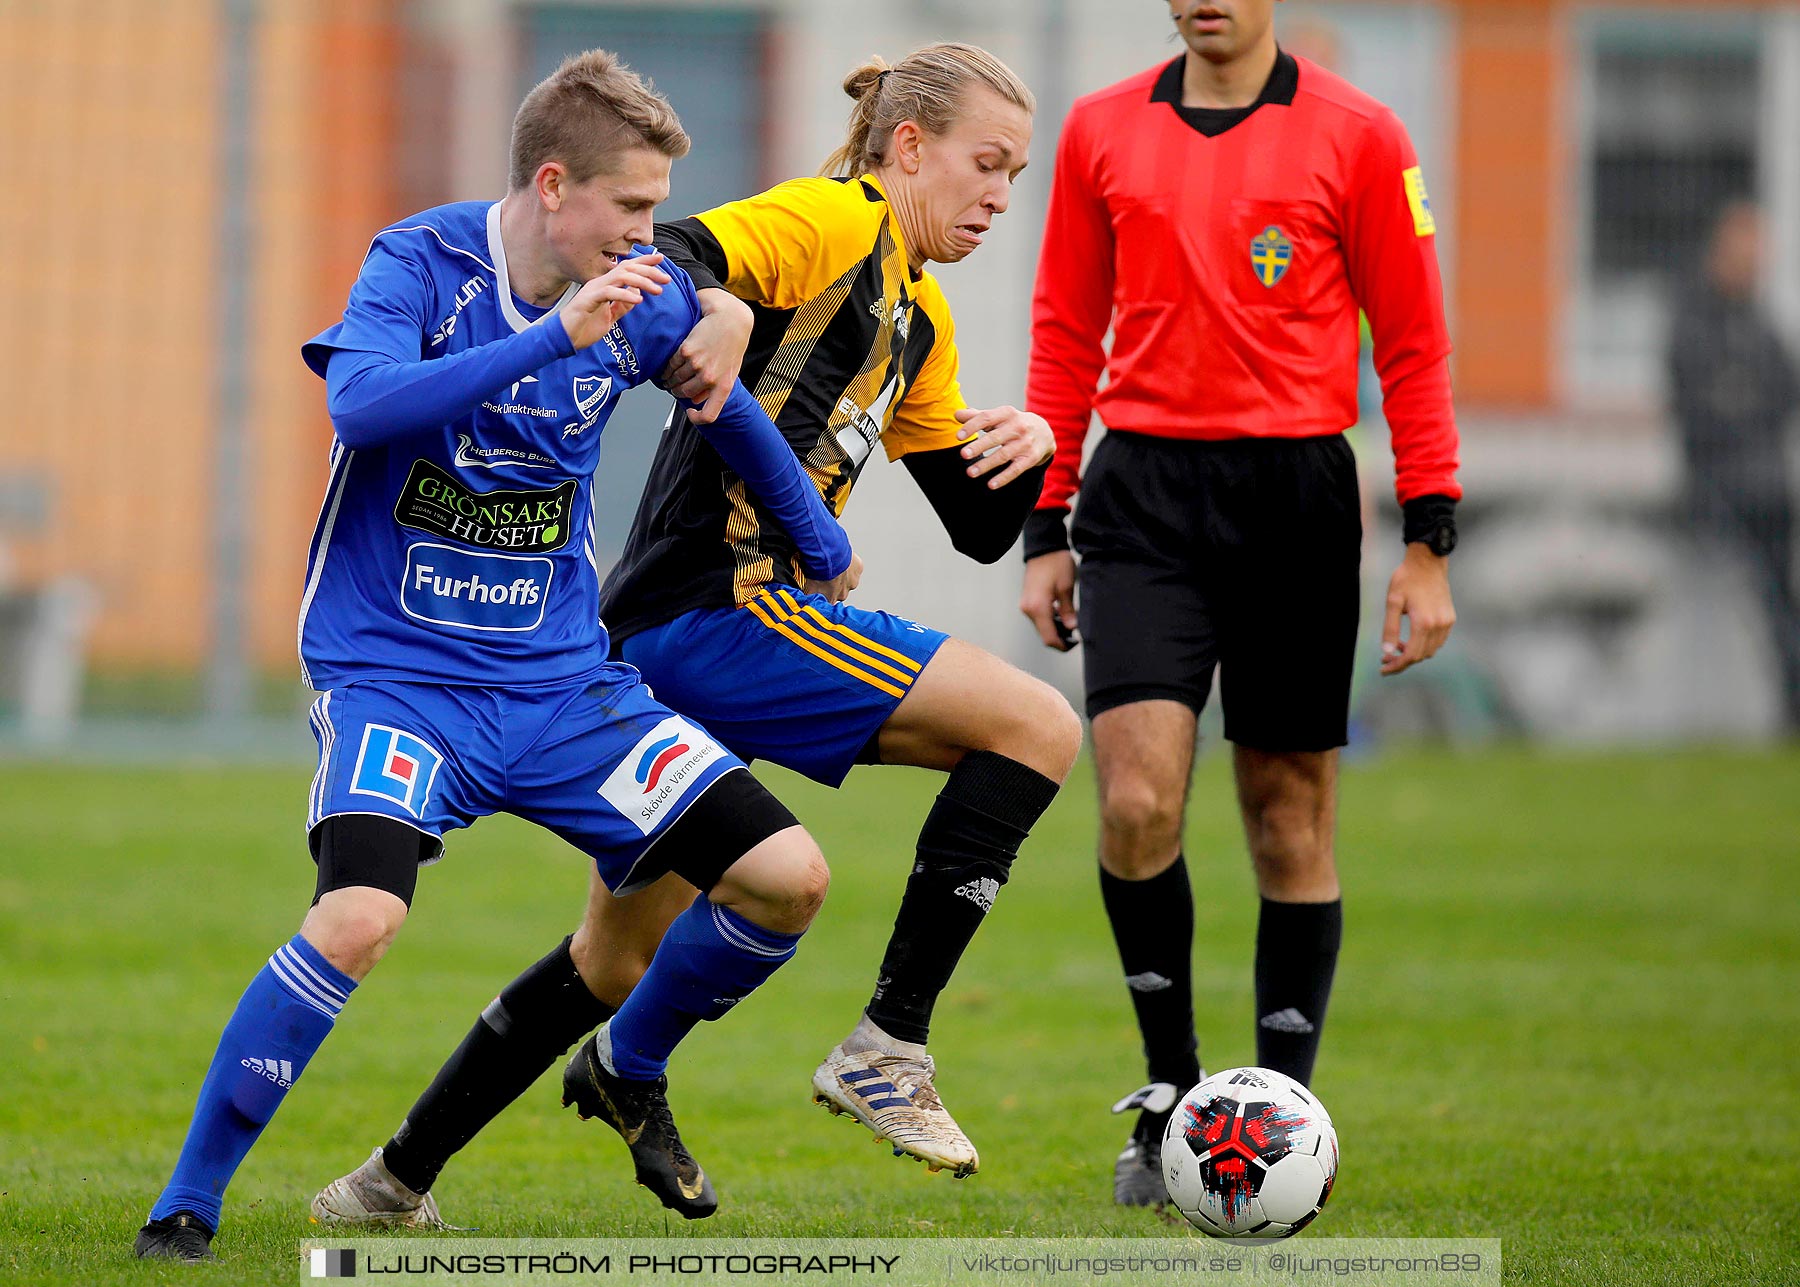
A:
(928, 87)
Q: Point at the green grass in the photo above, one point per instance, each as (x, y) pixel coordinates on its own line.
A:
(1566, 1017)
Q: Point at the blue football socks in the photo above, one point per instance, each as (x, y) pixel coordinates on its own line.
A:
(281, 1020)
(710, 959)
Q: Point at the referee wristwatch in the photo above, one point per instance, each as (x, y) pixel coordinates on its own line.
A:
(1430, 521)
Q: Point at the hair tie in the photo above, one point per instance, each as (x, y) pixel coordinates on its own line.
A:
(882, 79)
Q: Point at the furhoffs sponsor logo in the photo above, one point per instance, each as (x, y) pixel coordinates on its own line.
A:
(493, 592)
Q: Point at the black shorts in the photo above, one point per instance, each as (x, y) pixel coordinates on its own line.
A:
(1241, 554)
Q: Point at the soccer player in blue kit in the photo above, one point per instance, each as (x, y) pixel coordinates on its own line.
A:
(450, 623)
(848, 341)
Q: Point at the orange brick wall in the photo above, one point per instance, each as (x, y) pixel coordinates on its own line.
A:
(107, 142)
(1508, 192)
(109, 155)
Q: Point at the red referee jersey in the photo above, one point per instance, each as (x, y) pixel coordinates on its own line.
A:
(1230, 269)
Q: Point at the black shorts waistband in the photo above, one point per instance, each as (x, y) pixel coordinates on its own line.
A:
(1212, 446)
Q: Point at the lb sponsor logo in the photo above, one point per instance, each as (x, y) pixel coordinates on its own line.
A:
(396, 765)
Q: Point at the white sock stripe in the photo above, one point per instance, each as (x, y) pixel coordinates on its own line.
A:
(726, 932)
(326, 986)
(297, 963)
(302, 986)
(302, 991)
(733, 935)
(737, 938)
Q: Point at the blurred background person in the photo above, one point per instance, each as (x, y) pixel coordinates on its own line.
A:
(1733, 387)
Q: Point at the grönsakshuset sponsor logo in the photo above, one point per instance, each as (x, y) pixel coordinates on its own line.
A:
(523, 521)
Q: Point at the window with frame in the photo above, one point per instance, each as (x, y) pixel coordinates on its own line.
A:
(1673, 130)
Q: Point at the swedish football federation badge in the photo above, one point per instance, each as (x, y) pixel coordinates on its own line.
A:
(1270, 255)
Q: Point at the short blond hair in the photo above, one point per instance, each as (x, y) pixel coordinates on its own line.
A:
(585, 113)
(929, 86)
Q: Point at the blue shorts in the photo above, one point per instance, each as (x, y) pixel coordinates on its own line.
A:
(789, 677)
(598, 761)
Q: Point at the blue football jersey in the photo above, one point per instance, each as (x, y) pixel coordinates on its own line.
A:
(465, 553)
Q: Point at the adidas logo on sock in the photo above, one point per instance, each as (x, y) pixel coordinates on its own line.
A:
(981, 891)
(279, 1071)
(1288, 1020)
(1148, 981)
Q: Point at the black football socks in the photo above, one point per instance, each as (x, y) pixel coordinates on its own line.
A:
(1296, 956)
(533, 1021)
(966, 848)
(1153, 924)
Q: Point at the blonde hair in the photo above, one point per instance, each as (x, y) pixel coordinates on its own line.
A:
(586, 112)
(929, 87)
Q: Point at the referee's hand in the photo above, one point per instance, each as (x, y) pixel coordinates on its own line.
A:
(1049, 598)
(1004, 436)
(1420, 593)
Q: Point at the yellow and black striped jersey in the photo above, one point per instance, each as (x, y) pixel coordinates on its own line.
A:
(849, 347)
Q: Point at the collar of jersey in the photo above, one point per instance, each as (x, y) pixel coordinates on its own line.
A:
(514, 318)
(893, 222)
(1279, 90)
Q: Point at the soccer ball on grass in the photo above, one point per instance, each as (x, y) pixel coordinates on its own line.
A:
(1250, 1154)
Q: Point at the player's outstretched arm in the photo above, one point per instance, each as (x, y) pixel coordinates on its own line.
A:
(753, 447)
(375, 397)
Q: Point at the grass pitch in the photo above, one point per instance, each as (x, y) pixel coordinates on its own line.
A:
(1566, 1016)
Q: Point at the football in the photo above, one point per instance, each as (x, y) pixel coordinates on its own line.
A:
(1250, 1154)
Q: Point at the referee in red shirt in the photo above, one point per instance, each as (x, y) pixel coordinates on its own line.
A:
(1226, 215)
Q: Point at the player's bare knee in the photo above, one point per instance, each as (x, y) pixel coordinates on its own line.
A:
(1037, 727)
(353, 928)
(805, 879)
(1288, 844)
(1060, 730)
(779, 885)
(808, 894)
(1140, 827)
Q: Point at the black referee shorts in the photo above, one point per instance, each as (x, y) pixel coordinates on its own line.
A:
(1241, 554)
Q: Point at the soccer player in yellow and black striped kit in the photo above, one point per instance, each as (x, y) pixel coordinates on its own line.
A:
(818, 287)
